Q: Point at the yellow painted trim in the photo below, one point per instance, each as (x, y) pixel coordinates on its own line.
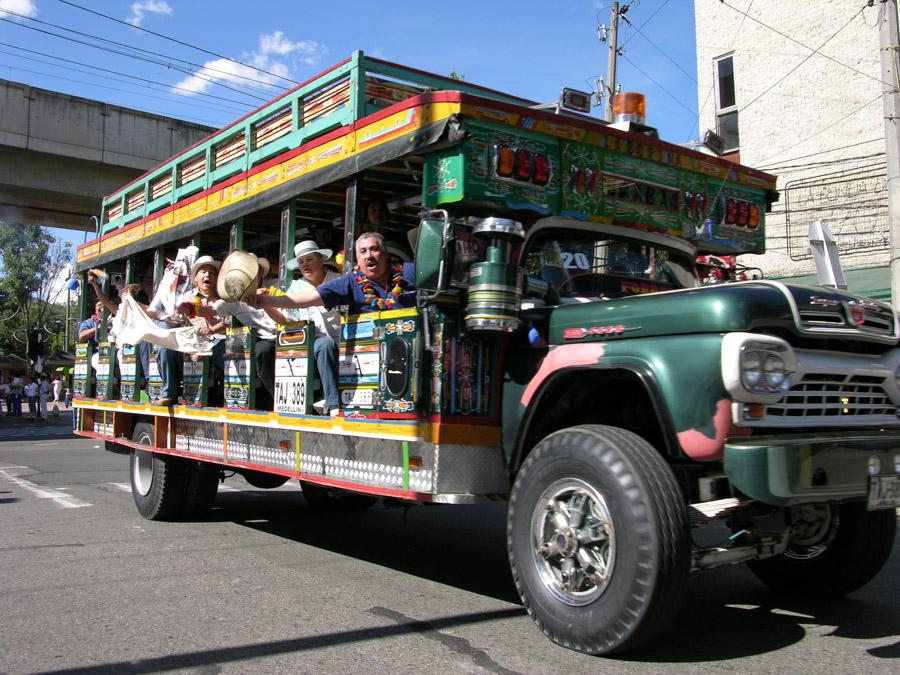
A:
(460, 434)
(305, 163)
(386, 314)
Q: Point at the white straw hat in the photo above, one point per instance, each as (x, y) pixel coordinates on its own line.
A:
(238, 277)
(202, 261)
(306, 248)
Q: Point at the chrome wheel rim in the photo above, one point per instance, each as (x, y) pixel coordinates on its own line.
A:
(813, 528)
(142, 471)
(573, 539)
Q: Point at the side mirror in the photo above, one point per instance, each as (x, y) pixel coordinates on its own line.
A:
(435, 248)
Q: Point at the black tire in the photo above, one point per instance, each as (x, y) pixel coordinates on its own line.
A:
(201, 489)
(157, 481)
(852, 547)
(632, 526)
(330, 500)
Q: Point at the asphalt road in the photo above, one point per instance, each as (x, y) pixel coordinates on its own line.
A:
(263, 585)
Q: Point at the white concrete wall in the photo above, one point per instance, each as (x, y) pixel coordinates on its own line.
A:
(792, 130)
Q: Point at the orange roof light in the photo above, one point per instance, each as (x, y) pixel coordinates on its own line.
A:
(630, 106)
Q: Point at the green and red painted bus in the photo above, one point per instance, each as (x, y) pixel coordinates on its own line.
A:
(563, 353)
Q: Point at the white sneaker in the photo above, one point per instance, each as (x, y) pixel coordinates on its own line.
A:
(334, 411)
(320, 407)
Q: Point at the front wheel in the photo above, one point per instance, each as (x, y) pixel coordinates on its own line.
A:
(834, 550)
(598, 539)
(157, 481)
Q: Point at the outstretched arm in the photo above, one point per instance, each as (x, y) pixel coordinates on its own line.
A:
(300, 299)
(101, 296)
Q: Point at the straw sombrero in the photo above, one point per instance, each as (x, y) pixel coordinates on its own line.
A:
(239, 275)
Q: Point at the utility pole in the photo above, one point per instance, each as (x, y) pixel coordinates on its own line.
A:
(889, 41)
(611, 60)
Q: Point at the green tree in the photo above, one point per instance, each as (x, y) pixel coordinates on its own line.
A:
(33, 263)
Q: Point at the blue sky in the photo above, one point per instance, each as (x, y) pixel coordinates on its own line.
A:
(528, 48)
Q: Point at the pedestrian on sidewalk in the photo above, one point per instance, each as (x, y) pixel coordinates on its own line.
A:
(56, 385)
(43, 395)
(4, 393)
(31, 393)
(15, 396)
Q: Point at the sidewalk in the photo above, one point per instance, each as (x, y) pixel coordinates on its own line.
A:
(63, 418)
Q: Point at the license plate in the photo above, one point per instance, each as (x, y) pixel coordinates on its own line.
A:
(884, 492)
(290, 394)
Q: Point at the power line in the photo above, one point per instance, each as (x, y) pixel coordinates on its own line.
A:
(820, 131)
(115, 72)
(649, 19)
(824, 163)
(177, 41)
(140, 49)
(797, 42)
(123, 91)
(824, 152)
(155, 61)
(797, 67)
(656, 47)
(649, 77)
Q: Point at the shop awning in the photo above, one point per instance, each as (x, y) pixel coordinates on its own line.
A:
(871, 282)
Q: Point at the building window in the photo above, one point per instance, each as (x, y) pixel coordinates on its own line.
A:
(726, 103)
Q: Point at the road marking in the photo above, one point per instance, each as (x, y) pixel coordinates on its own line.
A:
(61, 499)
(124, 487)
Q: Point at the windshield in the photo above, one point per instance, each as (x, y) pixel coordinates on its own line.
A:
(597, 265)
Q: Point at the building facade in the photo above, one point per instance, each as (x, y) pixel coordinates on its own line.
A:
(794, 88)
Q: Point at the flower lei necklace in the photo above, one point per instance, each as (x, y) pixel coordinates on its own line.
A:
(368, 289)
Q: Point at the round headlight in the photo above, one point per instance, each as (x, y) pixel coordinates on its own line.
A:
(774, 370)
(751, 368)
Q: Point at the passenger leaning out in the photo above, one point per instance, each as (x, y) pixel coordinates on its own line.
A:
(376, 283)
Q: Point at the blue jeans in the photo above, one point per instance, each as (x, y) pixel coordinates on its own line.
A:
(218, 355)
(169, 362)
(143, 349)
(326, 363)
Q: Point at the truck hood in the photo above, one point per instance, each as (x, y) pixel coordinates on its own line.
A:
(807, 311)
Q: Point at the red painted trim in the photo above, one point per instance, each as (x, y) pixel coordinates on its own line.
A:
(225, 128)
(435, 97)
(423, 99)
(600, 127)
(466, 420)
(362, 488)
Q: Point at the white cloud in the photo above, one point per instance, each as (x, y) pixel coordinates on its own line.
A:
(138, 9)
(274, 48)
(308, 51)
(23, 7)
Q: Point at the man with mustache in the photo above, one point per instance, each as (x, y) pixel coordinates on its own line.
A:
(375, 284)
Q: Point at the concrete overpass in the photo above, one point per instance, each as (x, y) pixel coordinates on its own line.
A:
(61, 154)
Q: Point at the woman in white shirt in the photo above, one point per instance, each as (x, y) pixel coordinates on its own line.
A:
(310, 260)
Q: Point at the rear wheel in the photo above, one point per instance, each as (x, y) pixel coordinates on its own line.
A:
(202, 486)
(321, 498)
(598, 539)
(157, 481)
(834, 550)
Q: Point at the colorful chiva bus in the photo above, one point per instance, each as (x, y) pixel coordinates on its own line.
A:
(558, 307)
